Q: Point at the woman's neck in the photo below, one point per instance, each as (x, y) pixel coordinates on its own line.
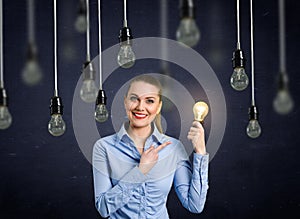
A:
(139, 135)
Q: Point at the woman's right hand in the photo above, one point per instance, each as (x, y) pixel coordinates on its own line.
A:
(150, 157)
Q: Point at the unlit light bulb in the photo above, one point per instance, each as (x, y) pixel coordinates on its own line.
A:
(101, 113)
(81, 23)
(283, 102)
(200, 111)
(56, 125)
(188, 32)
(89, 91)
(253, 129)
(126, 56)
(5, 117)
(32, 73)
(239, 79)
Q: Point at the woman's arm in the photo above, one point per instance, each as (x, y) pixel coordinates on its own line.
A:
(109, 198)
(191, 185)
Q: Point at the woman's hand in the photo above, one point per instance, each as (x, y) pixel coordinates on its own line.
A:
(150, 157)
(196, 135)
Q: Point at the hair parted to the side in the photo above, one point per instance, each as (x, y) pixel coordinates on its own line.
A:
(153, 81)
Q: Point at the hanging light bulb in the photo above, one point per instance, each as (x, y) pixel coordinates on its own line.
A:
(101, 113)
(126, 56)
(239, 79)
(253, 128)
(81, 22)
(283, 102)
(32, 73)
(5, 116)
(200, 110)
(89, 90)
(56, 125)
(188, 32)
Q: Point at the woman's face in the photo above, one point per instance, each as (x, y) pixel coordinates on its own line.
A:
(142, 104)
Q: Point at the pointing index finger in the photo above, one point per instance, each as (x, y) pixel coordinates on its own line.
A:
(163, 145)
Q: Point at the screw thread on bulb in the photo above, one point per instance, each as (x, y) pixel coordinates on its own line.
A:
(125, 35)
(101, 98)
(253, 113)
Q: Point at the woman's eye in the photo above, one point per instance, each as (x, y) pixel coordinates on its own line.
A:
(133, 99)
(150, 101)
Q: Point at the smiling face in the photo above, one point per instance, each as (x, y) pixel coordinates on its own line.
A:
(142, 104)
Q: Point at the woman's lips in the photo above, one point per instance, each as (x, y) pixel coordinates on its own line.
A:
(139, 115)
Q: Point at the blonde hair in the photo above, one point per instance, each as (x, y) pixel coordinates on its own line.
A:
(153, 81)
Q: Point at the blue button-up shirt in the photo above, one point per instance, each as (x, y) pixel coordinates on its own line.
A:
(122, 191)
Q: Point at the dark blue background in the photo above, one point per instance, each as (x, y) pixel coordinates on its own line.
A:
(48, 177)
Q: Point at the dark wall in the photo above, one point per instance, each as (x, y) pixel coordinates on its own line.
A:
(49, 177)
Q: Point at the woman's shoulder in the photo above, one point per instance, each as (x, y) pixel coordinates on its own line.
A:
(105, 141)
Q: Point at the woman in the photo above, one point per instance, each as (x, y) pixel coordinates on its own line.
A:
(135, 168)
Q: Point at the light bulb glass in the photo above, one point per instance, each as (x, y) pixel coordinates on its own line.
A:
(5, 117)
(126, 56)
(81, 23)
(56, 125)
(188, 32)
(253, 129)
(283, 102)
(200, 111)
(101, 113)
(32, 73)
(89, 91)
(239, 79)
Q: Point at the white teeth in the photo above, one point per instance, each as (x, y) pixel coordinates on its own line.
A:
(140, 115)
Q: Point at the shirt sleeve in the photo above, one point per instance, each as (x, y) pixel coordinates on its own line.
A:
(191, 183)
(109, 198)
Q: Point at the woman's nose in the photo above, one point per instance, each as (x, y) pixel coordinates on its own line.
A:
(140, 105)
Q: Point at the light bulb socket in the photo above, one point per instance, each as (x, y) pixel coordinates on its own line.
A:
(238, 59)
(3, 97)
(31, 51)
(56, 106)
(82, 7)
(125, 36)
(283, 81)
(88, 71)
(187, 9)
(253, 113)
(101, 98)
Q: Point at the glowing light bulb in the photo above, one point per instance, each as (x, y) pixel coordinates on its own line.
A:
(101, 113)
(253, 127)
(5, 117)
(200, 111)
(89, 90)
(32, 73)
(239, 79)
(126, 56)
(188, 32)
(80, 23)
(283, 102)
(56, 125)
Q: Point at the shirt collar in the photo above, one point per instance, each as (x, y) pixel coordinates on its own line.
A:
(123, 134)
